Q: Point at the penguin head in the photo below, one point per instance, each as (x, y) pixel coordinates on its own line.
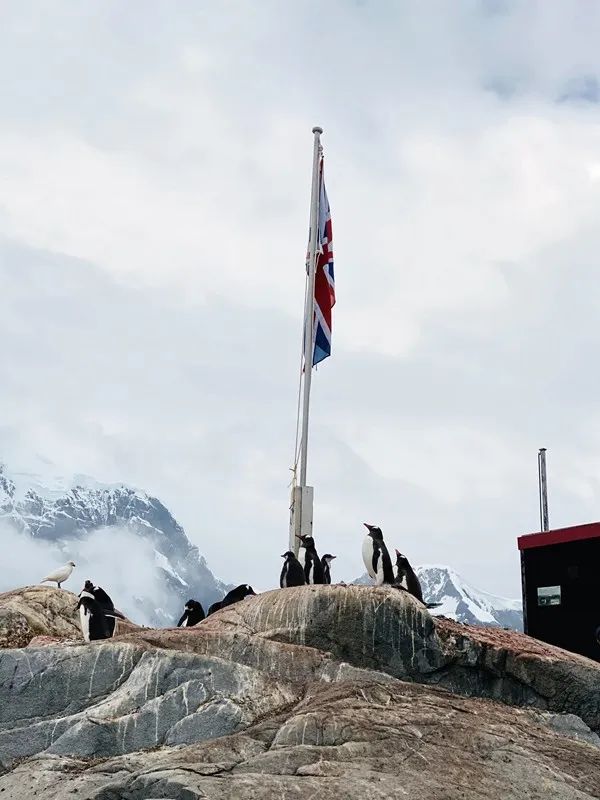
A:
(71, 564)
(374, 531)
(328, 558)
(307, 541)
(401, 560)
(288, 555)
(85, 600)
(248, 590)
(88, 586)
(190, 604)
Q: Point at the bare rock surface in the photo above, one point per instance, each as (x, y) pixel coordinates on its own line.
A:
(326, 692)
(42, 611)
(37, 611)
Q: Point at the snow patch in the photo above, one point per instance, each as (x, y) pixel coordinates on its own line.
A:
(163, 563)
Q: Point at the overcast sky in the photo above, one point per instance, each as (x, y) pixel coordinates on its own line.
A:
(154, 188)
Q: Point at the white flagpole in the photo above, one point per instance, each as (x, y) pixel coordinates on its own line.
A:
(301, 518)
(309, 344)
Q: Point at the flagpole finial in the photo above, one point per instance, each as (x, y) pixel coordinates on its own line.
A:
(317, 129)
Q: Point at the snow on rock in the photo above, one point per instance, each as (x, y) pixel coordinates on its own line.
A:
(163, 563)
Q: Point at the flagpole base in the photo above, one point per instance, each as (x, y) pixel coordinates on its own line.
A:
(301, 521)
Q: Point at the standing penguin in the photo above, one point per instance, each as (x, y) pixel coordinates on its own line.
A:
(106, 603)
(325, 563)
(193, 613)
(313, 569)
(234, 596)
(92, 618)
(407, 573)
(376, 557)
(292, 573)
(413, 585)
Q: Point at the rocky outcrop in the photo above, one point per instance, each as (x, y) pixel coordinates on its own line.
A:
(318, 691)
(42, 611)
(37, 610)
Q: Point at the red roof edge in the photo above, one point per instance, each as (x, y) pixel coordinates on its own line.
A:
(559, 536)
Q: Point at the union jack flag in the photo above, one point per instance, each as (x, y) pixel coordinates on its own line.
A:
(324, 280)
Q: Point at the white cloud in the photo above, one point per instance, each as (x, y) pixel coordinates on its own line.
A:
(153, 209)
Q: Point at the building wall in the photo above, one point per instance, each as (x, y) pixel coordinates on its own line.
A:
(569, 617)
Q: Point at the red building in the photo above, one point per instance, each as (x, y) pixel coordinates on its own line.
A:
(560, 574)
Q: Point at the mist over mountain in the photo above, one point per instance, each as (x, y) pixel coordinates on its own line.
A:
(119, 537)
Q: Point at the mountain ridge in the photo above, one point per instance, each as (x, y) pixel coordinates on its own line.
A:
(65, 513)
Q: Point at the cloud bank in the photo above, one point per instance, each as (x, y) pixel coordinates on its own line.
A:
(153, 212)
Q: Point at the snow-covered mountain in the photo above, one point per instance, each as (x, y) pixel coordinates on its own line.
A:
(463, 602)
(112, 532)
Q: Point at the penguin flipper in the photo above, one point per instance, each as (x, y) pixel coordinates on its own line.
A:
(114, 612)
(182, 620)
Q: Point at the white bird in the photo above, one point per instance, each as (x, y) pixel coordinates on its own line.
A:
(61, 574)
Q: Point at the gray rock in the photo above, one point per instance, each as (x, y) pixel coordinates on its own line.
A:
(317, 691)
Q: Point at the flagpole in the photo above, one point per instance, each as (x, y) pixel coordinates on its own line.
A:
(301, 517)
(309, 344)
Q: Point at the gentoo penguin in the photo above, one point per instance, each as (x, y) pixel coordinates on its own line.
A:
(413, 585)
(193, 613)
(313, 569)
(376, 557)
(406, 573)
(325, 562)
(61, 574)
(93, 619)
(105, 601)
(234, 596)
(292, 573)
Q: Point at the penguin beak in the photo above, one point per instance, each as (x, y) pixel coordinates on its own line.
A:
(283, 555)
(367, 526)
(333, 556)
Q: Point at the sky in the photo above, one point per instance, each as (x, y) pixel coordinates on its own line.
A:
(154, 196)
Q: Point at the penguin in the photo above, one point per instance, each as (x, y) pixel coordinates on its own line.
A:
(413, 585)
(376, 557)
(313, 569)
(105, 601)
(325, 562)
(61, 574)
(193, 613)
(92, 618)
(234, 596)
(407, 573)
(292, 573)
